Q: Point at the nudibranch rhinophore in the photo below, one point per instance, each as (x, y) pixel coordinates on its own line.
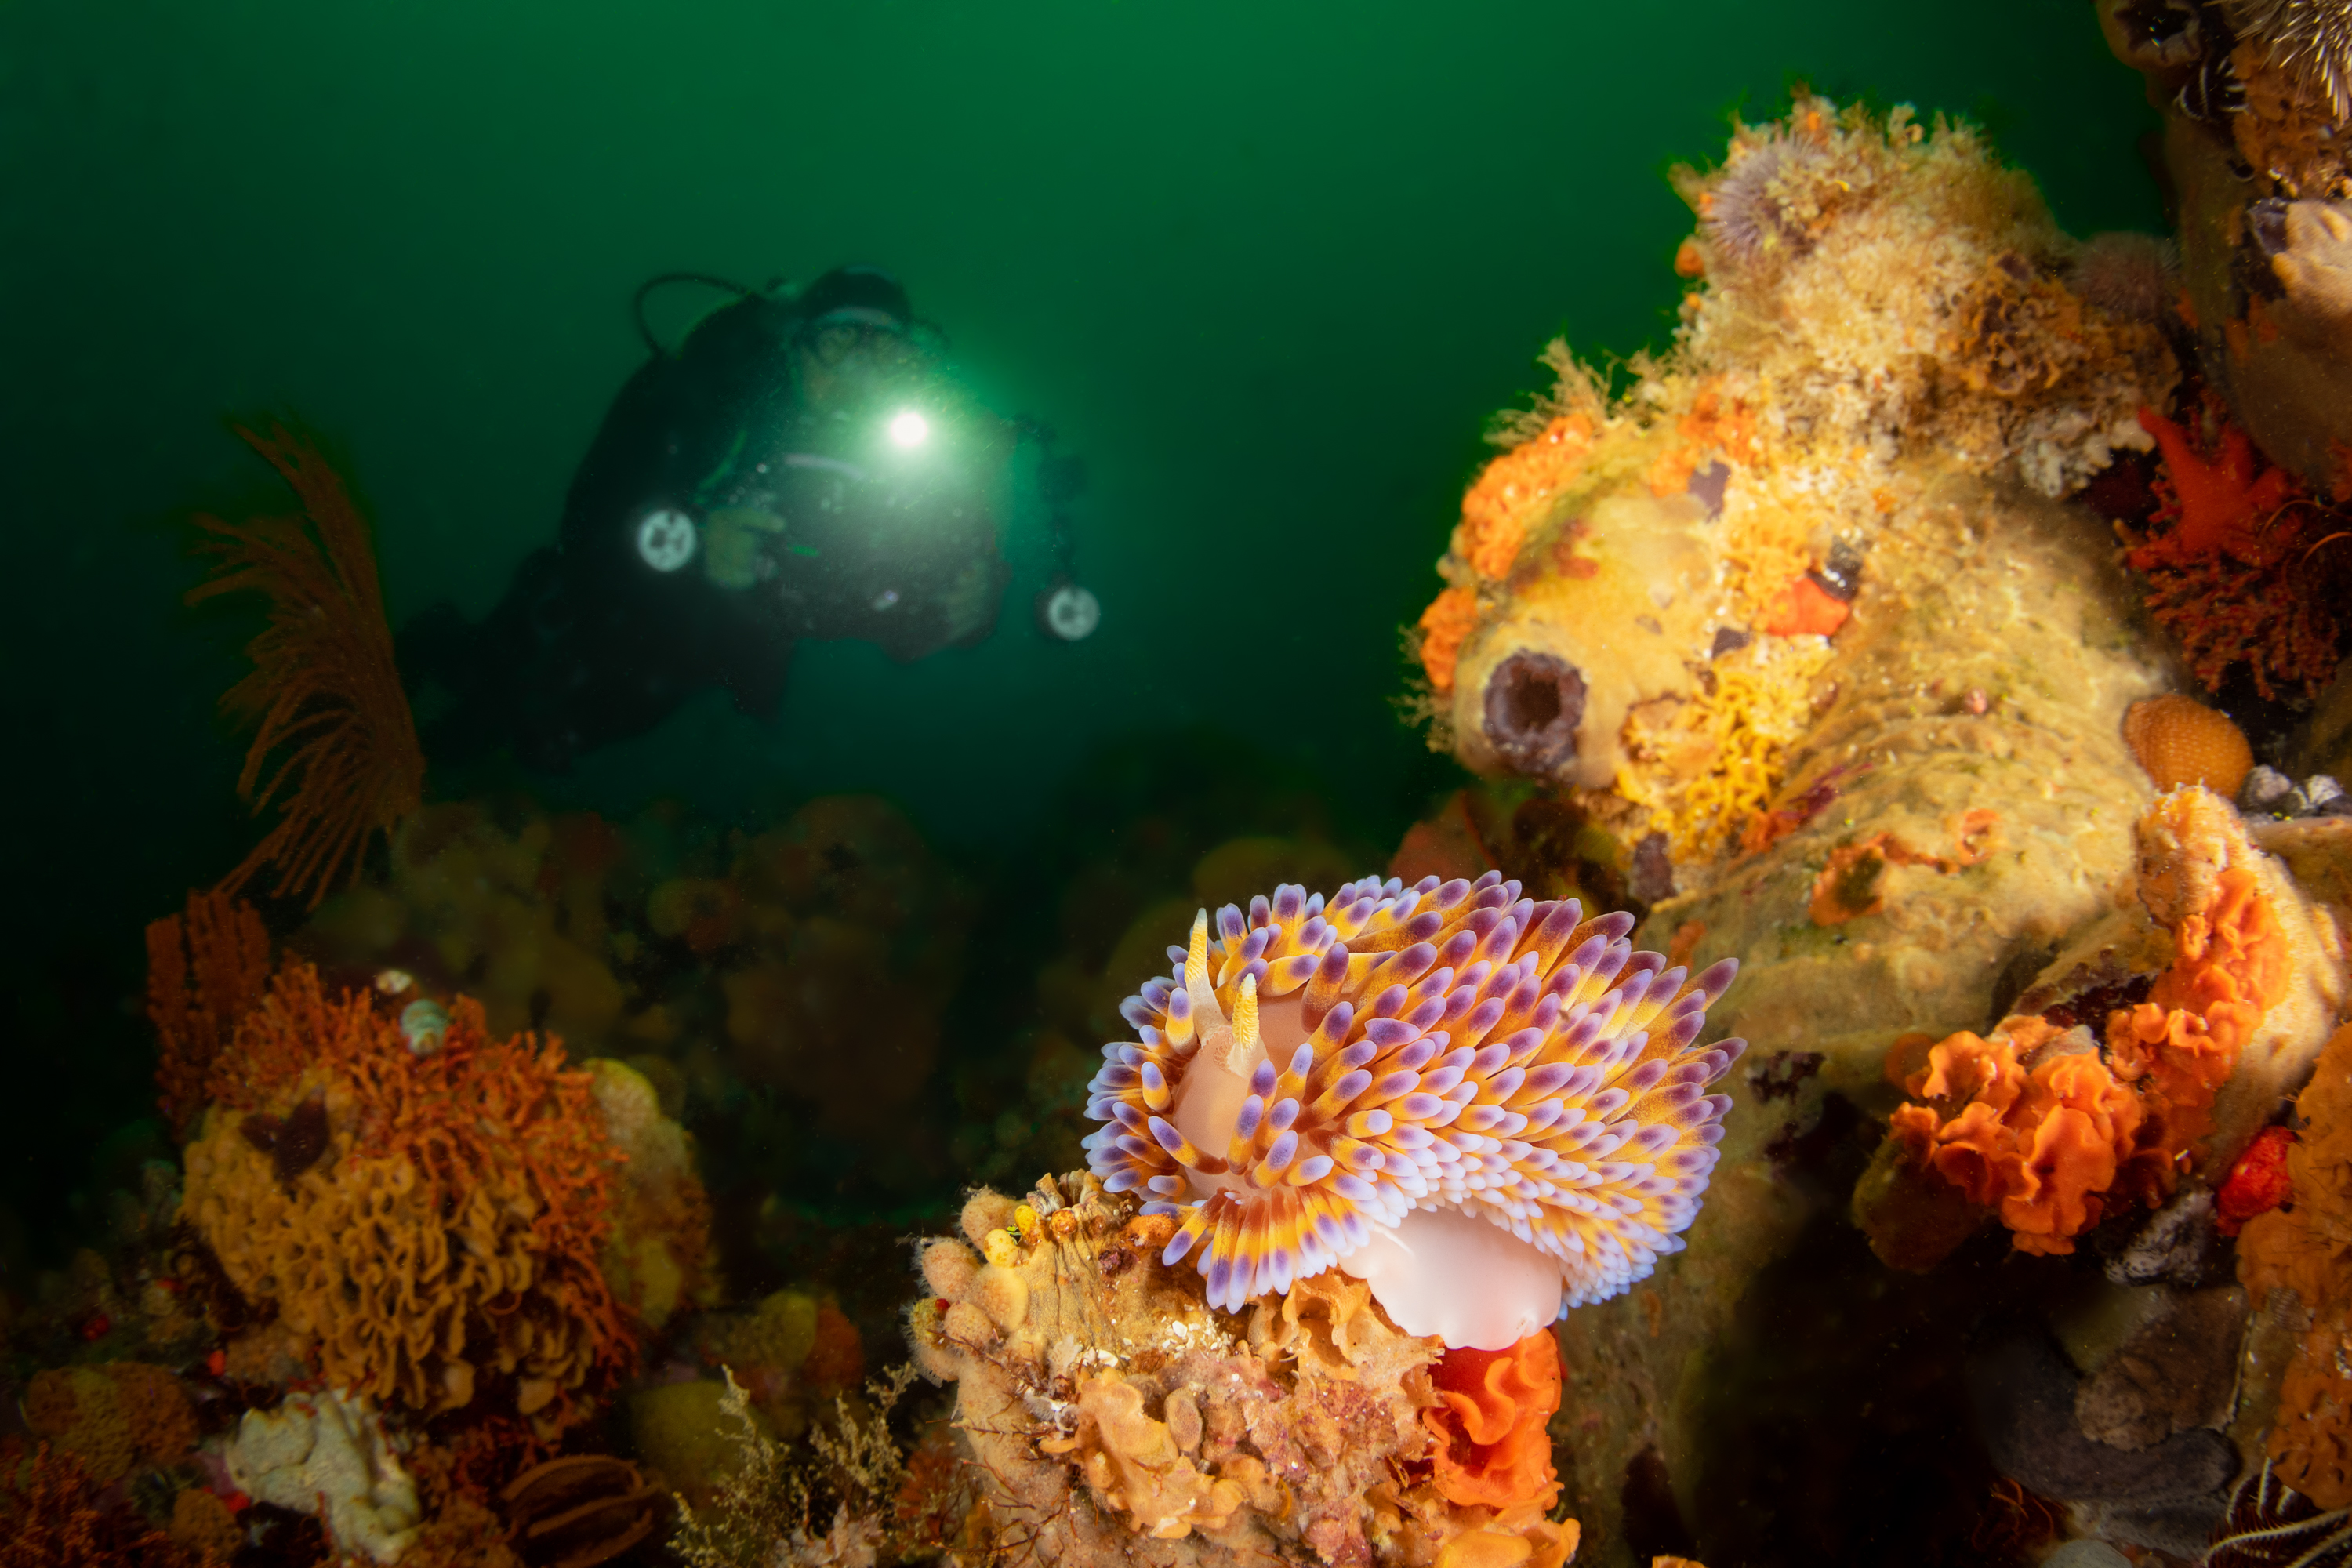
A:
(1489, 1108)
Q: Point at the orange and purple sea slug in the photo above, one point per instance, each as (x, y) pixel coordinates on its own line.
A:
(1489, 1107)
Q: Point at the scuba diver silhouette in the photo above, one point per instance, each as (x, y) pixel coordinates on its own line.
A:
(801, 465)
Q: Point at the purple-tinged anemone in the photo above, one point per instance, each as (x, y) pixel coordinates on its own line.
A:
(1746, 215)
(1490, 1106)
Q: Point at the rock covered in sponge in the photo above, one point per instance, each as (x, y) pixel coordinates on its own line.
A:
(449, 1235)
(659, 1256)
(1176, 1434)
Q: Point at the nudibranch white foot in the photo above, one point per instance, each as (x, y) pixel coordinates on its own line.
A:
(1489, 1107)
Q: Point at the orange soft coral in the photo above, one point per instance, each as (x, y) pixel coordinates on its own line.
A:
(1492, 1444)
(2225, 508)
(324, 692)
(204, 969)
(2307, 1248)
(455, 1221)
(1511, 492)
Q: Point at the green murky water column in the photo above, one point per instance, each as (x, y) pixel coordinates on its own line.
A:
(1264, 267)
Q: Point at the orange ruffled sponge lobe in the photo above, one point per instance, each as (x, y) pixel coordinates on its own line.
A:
(2055, 1146)
(2044, 1147)
(1492, 1431)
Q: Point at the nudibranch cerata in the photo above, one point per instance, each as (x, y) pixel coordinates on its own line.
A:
(1488, 1107)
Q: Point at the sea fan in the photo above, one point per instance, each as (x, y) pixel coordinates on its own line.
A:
(334, 743)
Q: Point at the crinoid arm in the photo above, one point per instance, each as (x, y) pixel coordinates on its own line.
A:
(334, 745)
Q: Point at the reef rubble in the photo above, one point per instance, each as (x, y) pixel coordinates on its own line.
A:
(1114, 1416)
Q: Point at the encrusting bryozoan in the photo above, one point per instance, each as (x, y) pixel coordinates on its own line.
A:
(1323, 1080)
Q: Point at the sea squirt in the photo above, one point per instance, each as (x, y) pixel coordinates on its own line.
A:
(1489, 1108)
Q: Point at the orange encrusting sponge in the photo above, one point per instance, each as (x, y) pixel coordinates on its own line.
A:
(1805, 607)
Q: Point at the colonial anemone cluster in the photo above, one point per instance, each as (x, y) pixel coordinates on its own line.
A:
(1319, 1071)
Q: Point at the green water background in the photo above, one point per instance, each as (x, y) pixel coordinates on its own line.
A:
(1266, 266)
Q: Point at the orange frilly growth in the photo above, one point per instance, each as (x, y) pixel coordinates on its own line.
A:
(205, 970)
(1493, 1439)
(2055, 1145)
(334, 743)
(2230, 967)
(447, 1222)
(2044, 1147)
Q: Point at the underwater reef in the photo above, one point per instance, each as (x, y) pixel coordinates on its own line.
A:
(1308, 1429)
(808, 966)
(1860, 1073)
(1938, 629)
(418, 1262)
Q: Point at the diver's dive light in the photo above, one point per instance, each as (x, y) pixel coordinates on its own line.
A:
(909, 429)
(1069, 612)
(1065, 611)
(665, 539)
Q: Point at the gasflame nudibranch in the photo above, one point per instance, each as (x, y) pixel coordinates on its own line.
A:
(1489, 1107)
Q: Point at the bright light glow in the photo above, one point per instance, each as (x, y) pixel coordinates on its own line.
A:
(665, 539)
(1070, 613)
(910, 428)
